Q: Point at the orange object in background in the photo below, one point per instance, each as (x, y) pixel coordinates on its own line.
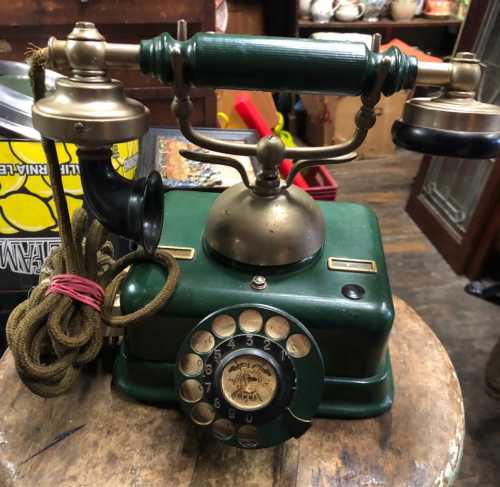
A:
(437, 8)
(411, 51)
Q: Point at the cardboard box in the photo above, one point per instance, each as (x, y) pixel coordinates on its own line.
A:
(319, 124)
(330, 119)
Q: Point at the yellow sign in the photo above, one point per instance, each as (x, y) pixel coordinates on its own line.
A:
(26, 203)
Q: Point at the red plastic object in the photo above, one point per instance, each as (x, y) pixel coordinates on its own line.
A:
(322, 185)
(318, 182)
(252, 117)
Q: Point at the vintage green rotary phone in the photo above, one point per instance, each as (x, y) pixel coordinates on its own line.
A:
(283, 308)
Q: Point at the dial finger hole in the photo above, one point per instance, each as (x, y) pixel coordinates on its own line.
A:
(191, 391)
(224, 326)
(298, 345)
(247, 436)
(223, 429)
(203, 413)
(191, 364)
(202, 341)
(277, 328)
(251, 321)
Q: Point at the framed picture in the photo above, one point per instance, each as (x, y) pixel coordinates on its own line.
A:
(160, 150)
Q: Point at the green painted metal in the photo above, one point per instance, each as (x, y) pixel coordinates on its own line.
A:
(277, 64)
(151, 382)
(352, 335)
(358, 398)
(350, 398)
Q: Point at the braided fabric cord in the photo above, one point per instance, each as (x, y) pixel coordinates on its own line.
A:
(52, 336)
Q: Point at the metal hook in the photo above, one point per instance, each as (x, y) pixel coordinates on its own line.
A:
(376, 42)
(307, 156)
(364, 119)
(210, 158)
(182, 106)
(304, 164)
(182, 30)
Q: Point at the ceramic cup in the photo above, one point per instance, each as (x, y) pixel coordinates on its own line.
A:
(346, 11)
(304, 9)
(321, 10)
(403, 9)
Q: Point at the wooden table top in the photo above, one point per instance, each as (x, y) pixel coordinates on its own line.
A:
(109, 440)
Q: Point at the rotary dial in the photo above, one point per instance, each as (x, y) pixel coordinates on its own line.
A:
(251, 374)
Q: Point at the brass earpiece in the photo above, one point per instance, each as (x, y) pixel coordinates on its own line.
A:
(91, 110)
(88, 108)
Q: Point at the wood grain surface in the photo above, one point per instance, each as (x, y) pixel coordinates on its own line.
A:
(106, 439)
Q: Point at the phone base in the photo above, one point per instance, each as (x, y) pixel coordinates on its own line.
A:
(341, 298)
(153, 382)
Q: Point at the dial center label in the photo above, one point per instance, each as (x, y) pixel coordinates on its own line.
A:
(249, 383)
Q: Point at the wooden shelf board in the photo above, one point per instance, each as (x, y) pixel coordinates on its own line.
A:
(381, 24)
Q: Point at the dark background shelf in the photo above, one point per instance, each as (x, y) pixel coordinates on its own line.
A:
(436, 37)
(433, 36)
(381, 24)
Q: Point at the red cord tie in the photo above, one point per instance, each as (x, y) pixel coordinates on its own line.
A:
(78, 288)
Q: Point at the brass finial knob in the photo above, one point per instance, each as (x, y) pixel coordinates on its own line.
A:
(270, 153)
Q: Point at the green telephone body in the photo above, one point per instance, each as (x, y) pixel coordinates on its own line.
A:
(345, 312)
